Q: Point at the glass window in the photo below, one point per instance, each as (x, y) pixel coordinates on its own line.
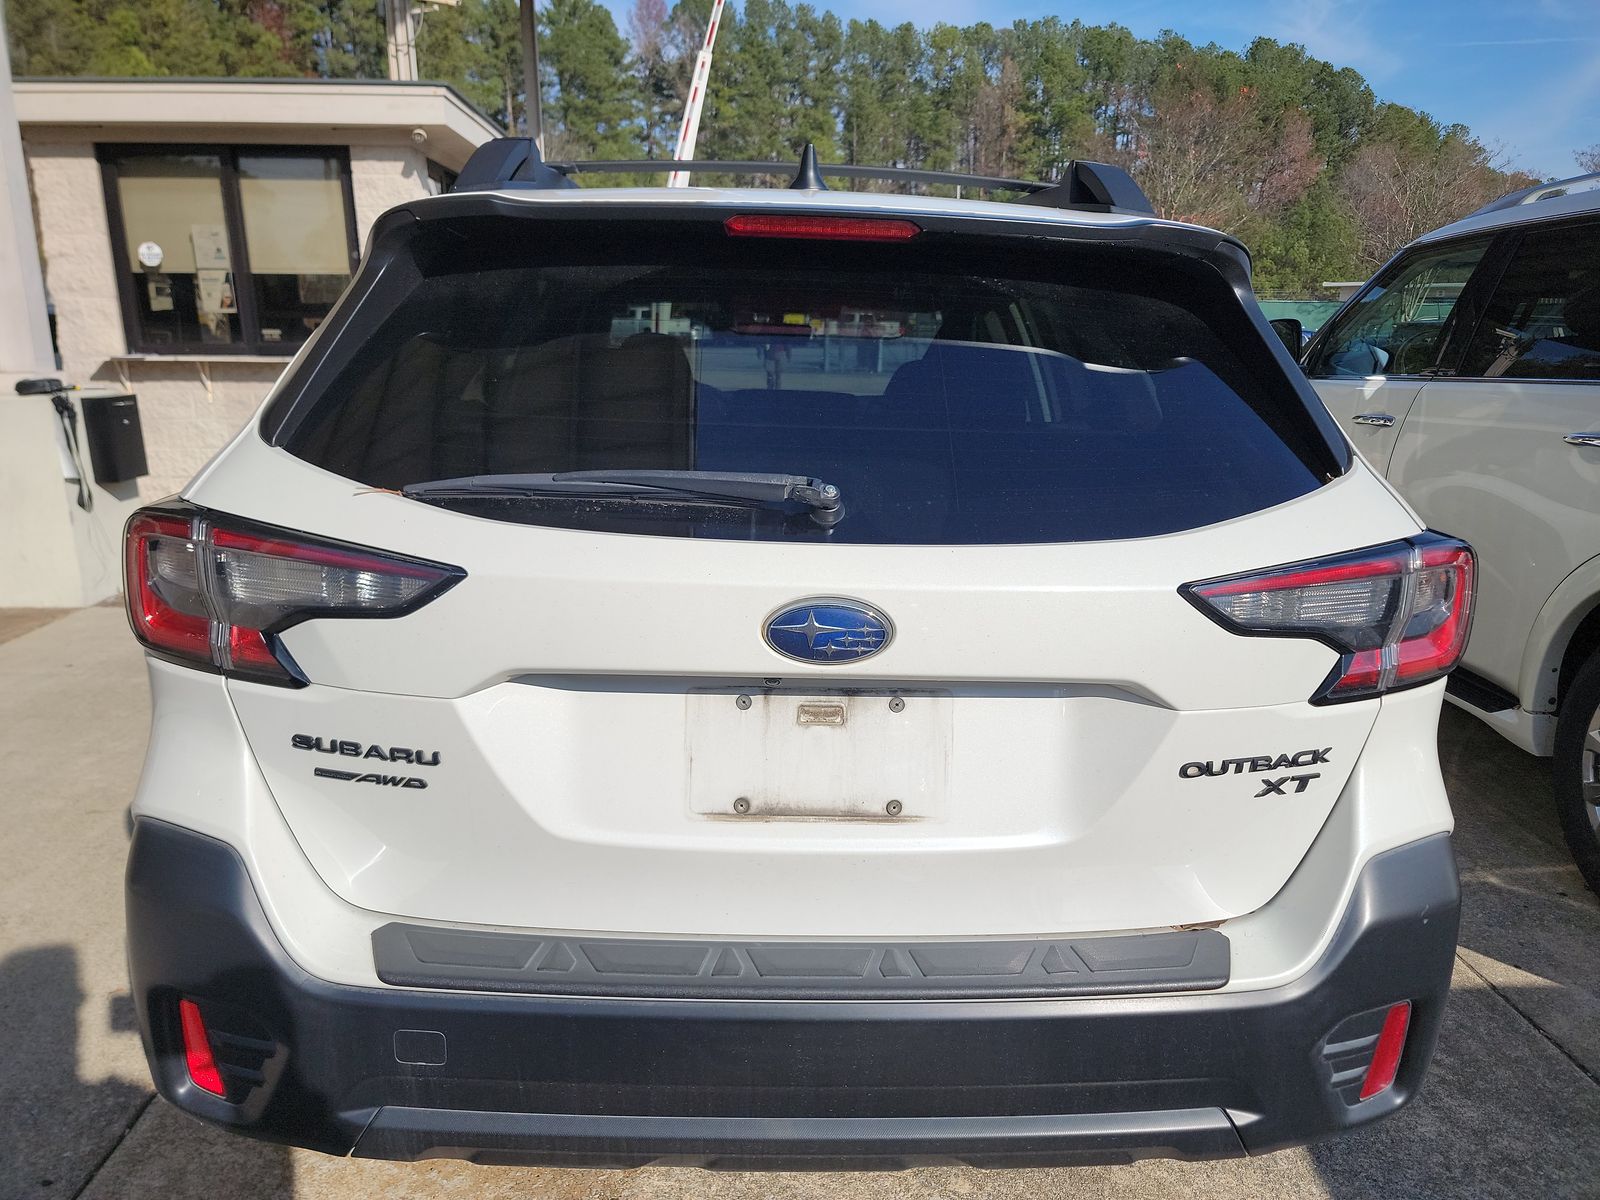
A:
(1543, 321)
(177, 252)
(228, 250)
(1000, 398)
(1398, 325)
(296, 240)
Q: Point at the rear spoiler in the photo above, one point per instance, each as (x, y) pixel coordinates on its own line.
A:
(515, 163)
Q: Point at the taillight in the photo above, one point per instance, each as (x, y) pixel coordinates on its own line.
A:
(834, 229)
(1398, 614)
(211, 592)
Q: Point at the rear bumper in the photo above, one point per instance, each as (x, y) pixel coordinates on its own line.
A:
(412, 1073)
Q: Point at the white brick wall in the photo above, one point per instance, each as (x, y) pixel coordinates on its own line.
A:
(76, 241)
(185, 422)
(383, 176)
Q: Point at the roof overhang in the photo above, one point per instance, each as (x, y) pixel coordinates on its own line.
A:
(265, 109)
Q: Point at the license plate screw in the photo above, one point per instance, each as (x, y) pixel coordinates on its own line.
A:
(893, 807)
(744, 702)
(742, 804)
(897, 704)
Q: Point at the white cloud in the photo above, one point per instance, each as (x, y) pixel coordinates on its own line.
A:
(1341, 31)
(1543, 127)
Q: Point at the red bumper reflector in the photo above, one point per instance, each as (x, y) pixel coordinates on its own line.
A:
(1391, 1044)
(197, 1050)
(837, 229)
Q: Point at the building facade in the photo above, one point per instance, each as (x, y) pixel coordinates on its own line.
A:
(194, 232)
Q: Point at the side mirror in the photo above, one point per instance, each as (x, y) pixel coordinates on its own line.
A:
(1291, 333)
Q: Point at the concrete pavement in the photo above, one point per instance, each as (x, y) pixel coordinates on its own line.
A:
(1511, 1109)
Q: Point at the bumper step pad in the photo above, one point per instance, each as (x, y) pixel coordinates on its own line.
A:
(472, 960)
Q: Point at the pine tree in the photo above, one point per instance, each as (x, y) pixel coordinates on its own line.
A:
(594, 108)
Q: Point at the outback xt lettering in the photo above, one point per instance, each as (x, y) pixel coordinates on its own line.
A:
(1261, 762)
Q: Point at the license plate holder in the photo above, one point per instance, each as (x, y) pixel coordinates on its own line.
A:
(837, 757)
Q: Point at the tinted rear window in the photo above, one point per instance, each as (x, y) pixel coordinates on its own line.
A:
(955, 394)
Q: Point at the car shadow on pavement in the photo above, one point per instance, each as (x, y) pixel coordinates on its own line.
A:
(65, 1136)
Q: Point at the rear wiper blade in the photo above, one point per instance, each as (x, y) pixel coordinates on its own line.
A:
(823, 499)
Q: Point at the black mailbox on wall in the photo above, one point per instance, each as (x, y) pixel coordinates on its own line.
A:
(116, 441)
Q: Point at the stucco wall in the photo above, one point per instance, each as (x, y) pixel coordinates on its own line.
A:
(185, 420)
(383, 176)
(76, 241)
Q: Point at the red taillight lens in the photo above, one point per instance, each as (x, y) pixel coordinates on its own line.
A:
(1391, 1044)
(1398, 614)
(1441, 608)
(197, 1050)
(836, 229)
(206, 592)
(162, 575)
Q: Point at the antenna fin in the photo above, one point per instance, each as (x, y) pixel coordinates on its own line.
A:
(809, 177)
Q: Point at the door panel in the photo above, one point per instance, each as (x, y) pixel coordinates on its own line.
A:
(1370, 363)
(1486, 454)
(1372, 398)
(1486, 460)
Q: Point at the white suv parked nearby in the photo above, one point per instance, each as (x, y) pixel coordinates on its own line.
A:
(1468, 372)
(941, 690)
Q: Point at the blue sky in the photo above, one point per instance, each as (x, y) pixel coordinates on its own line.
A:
(1523, 74)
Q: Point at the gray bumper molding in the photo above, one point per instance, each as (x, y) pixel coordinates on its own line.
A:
(431, 956)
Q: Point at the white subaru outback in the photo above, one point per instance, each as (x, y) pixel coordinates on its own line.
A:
(792, 678)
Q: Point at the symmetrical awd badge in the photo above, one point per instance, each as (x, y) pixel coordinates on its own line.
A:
(828, 630)
(387, 754)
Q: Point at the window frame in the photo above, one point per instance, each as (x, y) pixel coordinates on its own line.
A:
(250, 344)
(1466, 313)
(442, 177)
(1508, 244)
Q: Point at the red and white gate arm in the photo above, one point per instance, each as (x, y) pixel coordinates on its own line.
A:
(690, 130)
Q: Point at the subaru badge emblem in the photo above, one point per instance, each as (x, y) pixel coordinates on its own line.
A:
(826, 629)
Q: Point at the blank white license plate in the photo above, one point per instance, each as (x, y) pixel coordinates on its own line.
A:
(789, 756)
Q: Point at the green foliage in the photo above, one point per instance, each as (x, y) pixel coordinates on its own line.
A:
(595, 104)
(477, 47)
(1312, 241)
(140, 37)
(1287, 151)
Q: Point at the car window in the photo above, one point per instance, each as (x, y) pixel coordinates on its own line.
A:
(1397, 325)
(1003, 399)
(1543, 320)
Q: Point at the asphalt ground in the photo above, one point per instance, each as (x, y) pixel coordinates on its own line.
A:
(1511, 1108)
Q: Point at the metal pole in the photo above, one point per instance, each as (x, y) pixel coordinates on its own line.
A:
(532, 114)
(690, 130)
(400, 39)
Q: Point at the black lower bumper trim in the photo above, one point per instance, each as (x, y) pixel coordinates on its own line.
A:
(413, 1073)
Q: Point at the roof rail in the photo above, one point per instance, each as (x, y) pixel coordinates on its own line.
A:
(1542, 191)
(1086, 186)
(508, 162)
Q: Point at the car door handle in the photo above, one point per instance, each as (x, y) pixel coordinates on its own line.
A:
(1582, 439)
(1382, 420)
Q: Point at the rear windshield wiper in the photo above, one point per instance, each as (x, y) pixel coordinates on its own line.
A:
(823, 499)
